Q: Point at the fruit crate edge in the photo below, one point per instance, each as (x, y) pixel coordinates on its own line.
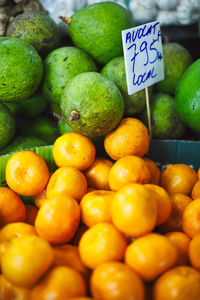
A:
(175, 151)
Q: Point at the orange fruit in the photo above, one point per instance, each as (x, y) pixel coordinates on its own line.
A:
(3, 247)
(181, 242)
(27, 173)
(164, 205)
(179, 283)
(59, 283)
(18, 229)
(90, 189)
(58, 219)
(68, 255)
(101, 243)
(69, 181)
(130, 137)
(154, 171)
(95, 207)
(194, 254)
(134, 210)
(75, 150)
(191, 218)
(178, 178)
(115, 280)
(81, 298)
(196, 190)
(11, 230)
(198, 173)
(97, 174)
(26, 260)
(31, 213)
(40, 198)
(174, 222)
(128, 169)
(12, 209)
(9, 291)
(151, 255)
(80, 231)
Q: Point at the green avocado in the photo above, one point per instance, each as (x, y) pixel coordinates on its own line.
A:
(64, 127)
(187, 96)
(115, 70)
(92, 104)
(21, 69)
(96, 28)
(176, 60)
(43, 127)
(37, 29)
(165, 121)
(29, 108)
(60, 66)
(12, 106)
(7, 125)
(21, 142)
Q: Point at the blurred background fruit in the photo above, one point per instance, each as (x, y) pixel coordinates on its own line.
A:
(187, 96)
(37, 29)
(29, 108)
(165, 121)
(7, 126)
(43, 127)
(176, 60)
(9, 9)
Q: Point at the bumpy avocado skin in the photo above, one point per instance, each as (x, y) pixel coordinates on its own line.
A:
(7, 126)
(115, 71)
(21, 142)
(37, 29)
(21, 69)
(60, 66)
(96, 101)
(64, 128)
(97, 29)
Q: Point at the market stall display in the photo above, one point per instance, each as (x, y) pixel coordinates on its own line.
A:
(91, 205)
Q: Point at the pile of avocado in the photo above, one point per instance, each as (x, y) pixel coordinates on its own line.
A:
(50, 85)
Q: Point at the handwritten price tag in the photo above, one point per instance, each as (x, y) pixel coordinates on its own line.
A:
(143, 57)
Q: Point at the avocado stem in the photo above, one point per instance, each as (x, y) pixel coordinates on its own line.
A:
(66, 20)
(59, 117)
(74, 115)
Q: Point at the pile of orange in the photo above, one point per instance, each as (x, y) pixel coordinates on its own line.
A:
(112, 228)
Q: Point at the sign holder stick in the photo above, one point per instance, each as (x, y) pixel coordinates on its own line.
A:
(148, 111)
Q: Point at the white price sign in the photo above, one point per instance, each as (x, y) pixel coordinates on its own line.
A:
(143, 56)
